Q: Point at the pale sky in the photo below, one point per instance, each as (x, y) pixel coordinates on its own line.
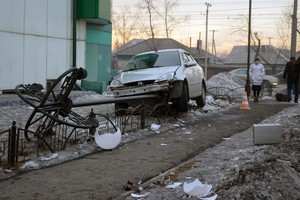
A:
(221, 18)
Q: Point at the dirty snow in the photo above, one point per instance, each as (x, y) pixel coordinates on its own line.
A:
(224, 177)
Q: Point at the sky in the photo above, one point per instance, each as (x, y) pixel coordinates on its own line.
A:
(222, 20)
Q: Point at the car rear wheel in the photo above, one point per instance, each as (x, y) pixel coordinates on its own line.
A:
(266, 89)
(183, 99)
(201, 100)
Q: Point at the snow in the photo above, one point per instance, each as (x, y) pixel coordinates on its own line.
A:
(17, 112)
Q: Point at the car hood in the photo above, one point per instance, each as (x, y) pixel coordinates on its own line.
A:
(144, 74)
(271, 78)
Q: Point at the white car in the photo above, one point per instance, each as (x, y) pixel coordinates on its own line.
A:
(268, 81)
(173, 74)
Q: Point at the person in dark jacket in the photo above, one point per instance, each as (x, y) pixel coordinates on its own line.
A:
(292, 76)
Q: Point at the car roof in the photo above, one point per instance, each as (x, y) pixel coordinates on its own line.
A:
(162, 50)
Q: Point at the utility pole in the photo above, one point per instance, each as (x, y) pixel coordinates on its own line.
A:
(269, 40)
(247, 87)
(213, 47)
(206, 57)
(294, 30)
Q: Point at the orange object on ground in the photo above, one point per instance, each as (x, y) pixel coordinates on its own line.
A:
(245, 104)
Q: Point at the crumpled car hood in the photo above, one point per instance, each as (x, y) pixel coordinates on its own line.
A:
(144, 74)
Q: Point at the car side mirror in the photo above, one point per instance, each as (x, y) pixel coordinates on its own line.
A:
(190, 63)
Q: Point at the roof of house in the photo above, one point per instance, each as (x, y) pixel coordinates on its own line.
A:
(149, 45)
(268, 55)
(137, 46)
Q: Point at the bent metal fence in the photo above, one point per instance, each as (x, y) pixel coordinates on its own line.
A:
(18, 144)
(53, 125)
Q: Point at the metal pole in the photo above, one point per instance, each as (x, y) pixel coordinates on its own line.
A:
(207, 6)
(13, 148)
(247, 87)
(294, 30)
(74, 34)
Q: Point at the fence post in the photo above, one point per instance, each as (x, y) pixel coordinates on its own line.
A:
(143, 117)
(12, 149)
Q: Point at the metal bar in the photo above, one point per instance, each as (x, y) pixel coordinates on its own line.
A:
(114, 100)
(13, 144)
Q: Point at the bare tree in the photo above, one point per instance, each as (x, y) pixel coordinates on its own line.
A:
(241, 28)
(123, 28)
(149, 7)
(165, 14)
(283, 27)
(151, 19)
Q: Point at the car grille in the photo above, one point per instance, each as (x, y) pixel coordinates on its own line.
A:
(139, 83)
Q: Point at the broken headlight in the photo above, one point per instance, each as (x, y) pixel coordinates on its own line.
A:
(115, 83)
(165, 77)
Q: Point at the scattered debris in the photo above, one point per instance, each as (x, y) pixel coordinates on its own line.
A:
(173, 185)
(155, 127)
(139, 195)
(108, 140)
(196, 188)
(128, 186)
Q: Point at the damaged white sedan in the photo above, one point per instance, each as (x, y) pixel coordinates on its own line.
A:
(172, 74)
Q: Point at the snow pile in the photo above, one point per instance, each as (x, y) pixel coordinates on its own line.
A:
(225, 85)
(225, 79)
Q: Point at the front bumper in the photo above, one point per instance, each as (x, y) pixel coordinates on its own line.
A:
(138, 90)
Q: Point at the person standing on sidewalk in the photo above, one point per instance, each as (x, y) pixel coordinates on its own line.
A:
(296, 71)
(256, 72)
(292, 79)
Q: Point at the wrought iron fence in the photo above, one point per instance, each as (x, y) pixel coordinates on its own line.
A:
(15, 147)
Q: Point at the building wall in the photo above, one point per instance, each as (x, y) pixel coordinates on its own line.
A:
(36, 41)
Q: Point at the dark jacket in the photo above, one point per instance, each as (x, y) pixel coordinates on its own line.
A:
(296, 68)
(290, 71)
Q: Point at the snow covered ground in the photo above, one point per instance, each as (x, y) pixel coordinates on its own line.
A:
(20, 114)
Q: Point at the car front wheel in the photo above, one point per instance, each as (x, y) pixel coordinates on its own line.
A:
(201, 100)
(183, 99)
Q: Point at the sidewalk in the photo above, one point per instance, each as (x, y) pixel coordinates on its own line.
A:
(102, 175)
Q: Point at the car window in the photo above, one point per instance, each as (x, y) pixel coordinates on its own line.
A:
(185, 57)
(159, 59)
(241, 72)
(190, 58)
(167, 58)
(141, 62)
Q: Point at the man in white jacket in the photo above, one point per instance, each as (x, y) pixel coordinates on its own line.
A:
(256, 73)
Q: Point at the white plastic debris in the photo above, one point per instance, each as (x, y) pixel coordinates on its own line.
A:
(196, 188)
(173, 185)
(155, 127)
(210, 198)
(139, 195)
(49, 157)
(108, 140)
(227, 138)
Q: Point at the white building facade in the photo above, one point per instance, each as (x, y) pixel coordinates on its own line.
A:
(36, 38)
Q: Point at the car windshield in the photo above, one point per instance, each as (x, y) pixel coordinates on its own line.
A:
(158, 59)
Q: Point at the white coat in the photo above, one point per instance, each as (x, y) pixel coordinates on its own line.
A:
(256, 73)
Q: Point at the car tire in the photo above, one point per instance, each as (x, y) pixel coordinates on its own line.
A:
(265, 84)
(266, 88)
(182, 101)
(201, 100)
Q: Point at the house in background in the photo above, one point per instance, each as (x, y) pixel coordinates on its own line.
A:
(272, 58)
(123, 54)
(42, 39)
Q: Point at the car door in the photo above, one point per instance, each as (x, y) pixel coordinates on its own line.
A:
(193, 76)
